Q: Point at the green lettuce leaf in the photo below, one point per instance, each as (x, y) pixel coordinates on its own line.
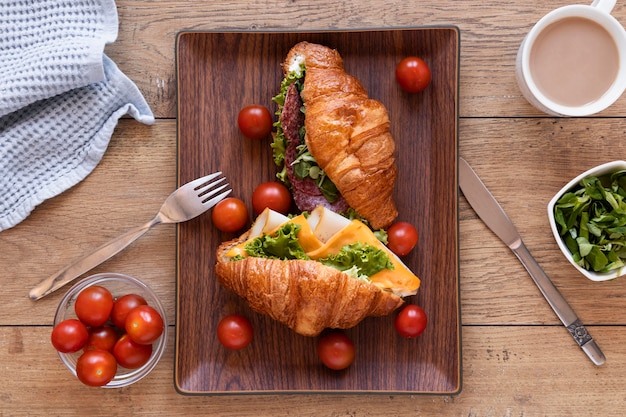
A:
(359, 260)
(368, 259)
(283, 245)
(305, 164)
(279, 144)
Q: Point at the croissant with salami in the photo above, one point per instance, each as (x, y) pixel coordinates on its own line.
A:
(344, 156)
(314, 272)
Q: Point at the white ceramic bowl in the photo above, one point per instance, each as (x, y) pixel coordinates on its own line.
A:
(119, 285)
(598, 171)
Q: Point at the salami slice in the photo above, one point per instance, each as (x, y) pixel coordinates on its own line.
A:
(306, 193)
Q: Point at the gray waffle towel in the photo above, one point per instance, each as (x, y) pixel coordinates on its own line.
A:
(60, 98)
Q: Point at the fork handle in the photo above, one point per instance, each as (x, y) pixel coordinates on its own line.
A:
(89, 261)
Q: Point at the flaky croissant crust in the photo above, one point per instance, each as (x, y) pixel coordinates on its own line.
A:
(306, 296)
(348, 134)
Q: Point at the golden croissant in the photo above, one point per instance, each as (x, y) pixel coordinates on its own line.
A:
(346, 133)
(315, 283)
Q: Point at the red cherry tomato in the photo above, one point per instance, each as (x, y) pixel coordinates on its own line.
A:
(102, 338)
(96, 368)
(144, 324)
(234, 332)
(230, 215)
(273, 195)
(93, 305)
(401, 238)
(69, 336)
(123, 305)
(411, 321)
(413, 74)
(255, 122)
(129, 354)
(335, 350)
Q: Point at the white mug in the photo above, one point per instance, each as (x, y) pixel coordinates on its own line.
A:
(564, 76)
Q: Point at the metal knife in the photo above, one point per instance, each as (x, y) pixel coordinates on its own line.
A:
(488, 209)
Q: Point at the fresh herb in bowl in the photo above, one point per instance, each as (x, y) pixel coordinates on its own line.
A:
(591, 218)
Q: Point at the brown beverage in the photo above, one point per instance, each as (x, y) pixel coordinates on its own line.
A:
(574, 61)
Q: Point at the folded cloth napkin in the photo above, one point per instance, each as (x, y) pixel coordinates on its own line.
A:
(60, 98)
(48, 47)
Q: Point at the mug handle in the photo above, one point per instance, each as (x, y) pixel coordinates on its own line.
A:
(604, 5)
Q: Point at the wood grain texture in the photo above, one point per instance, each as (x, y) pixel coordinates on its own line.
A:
(517, 360)
(245, 68)
(549, 152)
(508, 371)
(491, 32)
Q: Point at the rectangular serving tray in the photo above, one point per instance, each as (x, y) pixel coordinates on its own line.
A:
(221, 72)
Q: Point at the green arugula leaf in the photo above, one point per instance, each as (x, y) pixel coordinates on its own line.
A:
(592, 222)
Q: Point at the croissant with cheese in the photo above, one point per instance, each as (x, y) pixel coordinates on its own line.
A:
(315, 272)
(346, 134)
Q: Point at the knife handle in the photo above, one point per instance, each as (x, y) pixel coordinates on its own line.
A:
(87, 262)
(558, 303)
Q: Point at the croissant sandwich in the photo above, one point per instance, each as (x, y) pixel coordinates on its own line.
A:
(315, 271)
(333, 141)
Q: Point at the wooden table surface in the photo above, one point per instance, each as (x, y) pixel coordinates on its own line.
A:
(517, 359)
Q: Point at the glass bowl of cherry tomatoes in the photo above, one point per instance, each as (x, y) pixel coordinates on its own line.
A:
(110, 330)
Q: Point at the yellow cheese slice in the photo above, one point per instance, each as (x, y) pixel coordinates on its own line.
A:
(306, 238)
(237, 250)
(324, 233)
(400, 280)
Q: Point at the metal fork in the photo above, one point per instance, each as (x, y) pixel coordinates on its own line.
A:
(187, 202)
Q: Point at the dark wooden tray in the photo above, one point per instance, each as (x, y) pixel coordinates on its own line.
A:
(218, 74)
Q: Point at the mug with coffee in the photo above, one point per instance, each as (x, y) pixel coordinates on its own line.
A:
(573, 61)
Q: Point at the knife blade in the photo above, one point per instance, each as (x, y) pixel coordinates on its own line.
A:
(493, 215)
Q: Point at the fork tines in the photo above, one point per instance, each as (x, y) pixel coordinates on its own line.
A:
(207, 188)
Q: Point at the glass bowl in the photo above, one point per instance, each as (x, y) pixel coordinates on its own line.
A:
(597, 171)
(118, 285)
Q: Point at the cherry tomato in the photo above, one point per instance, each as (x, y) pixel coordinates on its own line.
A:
(255, 122)
(122, 306)
(69, 336)
(96, 368)
(102, 338)
(413, 74)
(273, 195)
(144, 324)
(401, 238)
(129, 354)
(234, 332)
(230, 215)
(411, 321)
(335, 350)
(93, 305)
